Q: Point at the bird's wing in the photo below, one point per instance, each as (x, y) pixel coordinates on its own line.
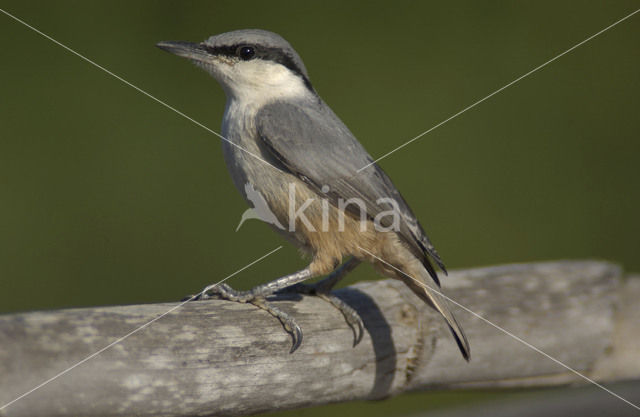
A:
(312, 143)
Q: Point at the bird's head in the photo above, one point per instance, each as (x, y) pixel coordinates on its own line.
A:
(248, 63)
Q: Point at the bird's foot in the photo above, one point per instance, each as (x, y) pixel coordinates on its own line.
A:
(225, 292)
(323, 290)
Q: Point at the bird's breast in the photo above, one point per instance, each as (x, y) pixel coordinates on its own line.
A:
(250, 164)
(241, 144)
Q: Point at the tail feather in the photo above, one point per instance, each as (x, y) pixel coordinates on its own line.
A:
(432, 299)
(456, 330)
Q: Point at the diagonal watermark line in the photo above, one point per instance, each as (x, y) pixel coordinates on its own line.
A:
(508, 333)
(147, 324)
(499, 90)
(140, 90)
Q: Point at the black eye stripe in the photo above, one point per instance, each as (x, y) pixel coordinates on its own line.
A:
(260, 52)
(220, 50)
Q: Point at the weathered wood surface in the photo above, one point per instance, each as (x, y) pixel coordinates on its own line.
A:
(223, 358)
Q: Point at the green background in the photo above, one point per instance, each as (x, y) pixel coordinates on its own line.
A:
(107, 197)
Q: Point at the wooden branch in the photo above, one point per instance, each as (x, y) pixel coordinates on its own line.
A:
(223, 358)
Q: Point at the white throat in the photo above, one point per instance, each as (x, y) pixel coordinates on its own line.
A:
(256, 83)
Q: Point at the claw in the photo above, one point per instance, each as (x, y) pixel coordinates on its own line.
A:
(360, 334)
(358, 331)
(350, 315)
(287, 321)
(195, 297)
(355, 322)
(296, 335)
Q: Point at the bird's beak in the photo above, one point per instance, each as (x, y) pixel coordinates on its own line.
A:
(189, 50)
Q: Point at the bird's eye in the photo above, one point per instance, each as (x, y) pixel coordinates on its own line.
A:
(246, 52)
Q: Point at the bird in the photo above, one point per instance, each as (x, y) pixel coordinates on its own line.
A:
(282, 139)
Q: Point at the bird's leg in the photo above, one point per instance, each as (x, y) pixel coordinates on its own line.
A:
(257, 297)
(323, 288)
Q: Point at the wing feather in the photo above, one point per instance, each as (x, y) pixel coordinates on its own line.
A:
(313, 144)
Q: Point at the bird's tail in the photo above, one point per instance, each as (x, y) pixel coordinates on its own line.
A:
(439, 303)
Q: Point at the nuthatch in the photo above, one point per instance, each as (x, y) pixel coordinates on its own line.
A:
(284, 142)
